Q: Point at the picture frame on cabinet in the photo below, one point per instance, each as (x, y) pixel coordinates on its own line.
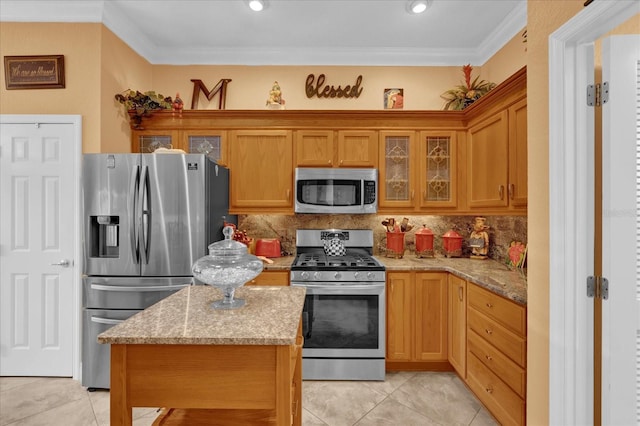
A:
(393, 98)
(34, 72)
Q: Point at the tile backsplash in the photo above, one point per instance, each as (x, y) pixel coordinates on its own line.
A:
(502, 229)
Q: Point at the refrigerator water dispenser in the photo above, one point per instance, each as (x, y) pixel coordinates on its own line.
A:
(105, 236)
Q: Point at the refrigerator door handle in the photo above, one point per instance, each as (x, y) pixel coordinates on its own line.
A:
(133, 227)
(109, 321)
(140, 288)
(145, 217)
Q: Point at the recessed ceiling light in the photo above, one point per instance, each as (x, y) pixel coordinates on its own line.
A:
(418, 6)
(256, 5)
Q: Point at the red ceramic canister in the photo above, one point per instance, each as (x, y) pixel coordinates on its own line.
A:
(424, 242)
(452, 244)
(395, 244)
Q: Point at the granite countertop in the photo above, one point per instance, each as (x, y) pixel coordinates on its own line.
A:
(489, 274)
(270, 316)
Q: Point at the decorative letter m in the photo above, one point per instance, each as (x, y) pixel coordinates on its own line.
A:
(221, 87)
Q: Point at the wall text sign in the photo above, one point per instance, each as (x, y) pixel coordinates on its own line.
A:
(317, 88)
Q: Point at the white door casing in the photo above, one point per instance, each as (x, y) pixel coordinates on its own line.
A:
(621, 230)
(571, 208)
(39, 229)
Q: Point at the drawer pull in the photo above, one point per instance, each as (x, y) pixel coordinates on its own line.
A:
(488, 357)
(489, 389)
(488, 331)
(489, 305)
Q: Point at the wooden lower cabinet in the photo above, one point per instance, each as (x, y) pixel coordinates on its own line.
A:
(271, 278)
(496, 354)
(457, 325)
(417, 320)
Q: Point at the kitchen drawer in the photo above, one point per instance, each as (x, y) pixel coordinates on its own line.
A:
(510, 372)
(271, 278)
(504, 340)
(500, 399)
(508, 313)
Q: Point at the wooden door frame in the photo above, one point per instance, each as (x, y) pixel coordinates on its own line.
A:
(76, 121)
(571, 208)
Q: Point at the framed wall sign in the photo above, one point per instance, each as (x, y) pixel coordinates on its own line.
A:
(34, 72)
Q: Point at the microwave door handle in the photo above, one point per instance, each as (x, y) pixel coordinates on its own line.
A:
(145, 216)
(133, 226)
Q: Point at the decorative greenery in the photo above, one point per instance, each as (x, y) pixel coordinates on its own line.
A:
(141, 104)
(465, 94)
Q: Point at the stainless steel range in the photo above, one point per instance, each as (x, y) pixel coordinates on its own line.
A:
(344, 313)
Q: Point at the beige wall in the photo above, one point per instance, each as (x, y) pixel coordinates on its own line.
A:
(122, 68)
(98, 65)
(542, 20)
(506, 61)
(80, 45)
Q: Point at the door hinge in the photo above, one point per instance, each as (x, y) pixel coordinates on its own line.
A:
(598, 287)
(598, 94)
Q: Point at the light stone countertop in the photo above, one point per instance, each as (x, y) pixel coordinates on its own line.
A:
(270, 316)
(489, 274)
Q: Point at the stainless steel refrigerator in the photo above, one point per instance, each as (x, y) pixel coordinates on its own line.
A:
(147, 219)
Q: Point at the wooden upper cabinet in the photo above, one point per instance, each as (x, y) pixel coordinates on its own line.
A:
(517, 188)
(396, 179)
(147, 141)
(213, 143)
(351, 148)
(357, 148)
(261, 171)
(314, 148)
(487, 162)
(438, 169)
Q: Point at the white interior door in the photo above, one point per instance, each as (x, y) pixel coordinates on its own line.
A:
(621, 231)
(39, 303)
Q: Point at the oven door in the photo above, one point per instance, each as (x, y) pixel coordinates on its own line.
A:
(344, 320)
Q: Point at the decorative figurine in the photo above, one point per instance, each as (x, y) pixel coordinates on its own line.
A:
(178, 104)
(275, 100)
(479, 239)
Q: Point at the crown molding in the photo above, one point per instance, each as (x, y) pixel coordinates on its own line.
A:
(122, 26)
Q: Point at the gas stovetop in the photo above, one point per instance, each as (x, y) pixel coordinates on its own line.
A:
(318, 261)
(312, 264)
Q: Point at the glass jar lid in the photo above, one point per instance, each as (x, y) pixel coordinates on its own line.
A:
(227, 248)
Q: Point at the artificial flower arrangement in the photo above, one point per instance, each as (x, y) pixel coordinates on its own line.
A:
(140, 104)
(465, 94)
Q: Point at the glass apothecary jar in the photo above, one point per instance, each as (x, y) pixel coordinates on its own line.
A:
(227, 267)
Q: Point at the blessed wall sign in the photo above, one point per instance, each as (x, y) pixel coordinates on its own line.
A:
(316, 87)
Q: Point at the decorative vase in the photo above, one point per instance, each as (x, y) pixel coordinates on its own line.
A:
(228, 266)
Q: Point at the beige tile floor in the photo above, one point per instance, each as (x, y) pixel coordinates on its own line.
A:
(406, 398)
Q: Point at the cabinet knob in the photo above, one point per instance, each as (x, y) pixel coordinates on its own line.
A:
(341, 162)
(460, 293)
(329, 162)
(489, 305)
(489, 389)
(488, 357)
(288, 195)
(512, 191)
(412, 194)
(501, 191)
(488, 331)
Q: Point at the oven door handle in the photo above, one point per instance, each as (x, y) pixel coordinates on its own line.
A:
(342, 289)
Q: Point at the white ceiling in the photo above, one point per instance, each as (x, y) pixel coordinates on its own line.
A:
(293, 32)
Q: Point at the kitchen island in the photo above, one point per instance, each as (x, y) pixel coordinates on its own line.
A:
(243, 365)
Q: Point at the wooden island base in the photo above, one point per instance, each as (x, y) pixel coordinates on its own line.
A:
(208, 384)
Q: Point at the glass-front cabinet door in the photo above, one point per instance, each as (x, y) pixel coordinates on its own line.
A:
(209, 142)
(396, 181)
(147, 141)
(438, 173)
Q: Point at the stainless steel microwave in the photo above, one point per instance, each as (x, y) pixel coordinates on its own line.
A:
(328, 190)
